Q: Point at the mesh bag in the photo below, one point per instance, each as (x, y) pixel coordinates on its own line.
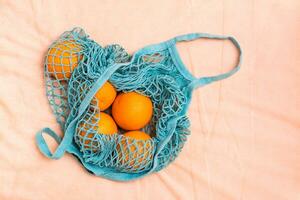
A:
(76, 67)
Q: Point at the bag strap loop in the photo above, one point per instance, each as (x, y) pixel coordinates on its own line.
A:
(198, 82)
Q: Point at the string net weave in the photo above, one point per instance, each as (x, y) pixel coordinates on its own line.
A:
(74, 63)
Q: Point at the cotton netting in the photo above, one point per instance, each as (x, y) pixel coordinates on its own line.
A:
(75, 62)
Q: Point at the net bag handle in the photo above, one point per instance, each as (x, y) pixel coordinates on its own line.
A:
(198, 82)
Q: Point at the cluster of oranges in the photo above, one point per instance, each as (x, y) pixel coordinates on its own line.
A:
(131, 111)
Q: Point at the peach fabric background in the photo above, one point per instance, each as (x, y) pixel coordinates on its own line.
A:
(245, 141)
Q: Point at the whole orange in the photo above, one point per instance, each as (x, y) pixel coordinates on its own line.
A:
(106, 126)
(138, 135)
(105, 96)
(132, 110)
(135, 151)
(62, 58)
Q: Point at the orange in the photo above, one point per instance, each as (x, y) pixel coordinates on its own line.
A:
(132, 110)
(106, 126)
(106, 96)
(87, 138)
(138, 135)
(135, 151)
(62, 59)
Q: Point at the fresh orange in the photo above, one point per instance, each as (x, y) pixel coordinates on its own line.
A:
(135, 151)
(138, 135)
(132, 110)
(86, 139)
(106, 126)
(62, 59)
(105, 96)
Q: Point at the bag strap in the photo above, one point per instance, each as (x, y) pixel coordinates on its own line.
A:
(198, 82)
(66, 141)
(41, 143)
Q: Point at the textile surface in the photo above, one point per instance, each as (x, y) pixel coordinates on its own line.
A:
(245, 130)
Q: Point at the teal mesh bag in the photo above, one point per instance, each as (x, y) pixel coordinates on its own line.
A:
(76, 67)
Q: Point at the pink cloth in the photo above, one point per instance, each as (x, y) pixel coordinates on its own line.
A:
(245, 141)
